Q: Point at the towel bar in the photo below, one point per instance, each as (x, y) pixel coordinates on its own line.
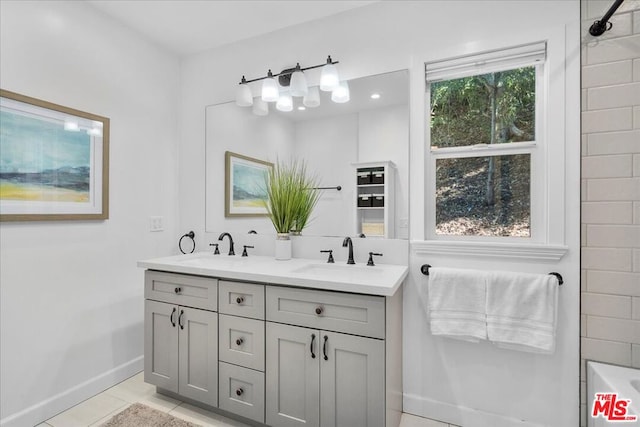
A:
(425, 270)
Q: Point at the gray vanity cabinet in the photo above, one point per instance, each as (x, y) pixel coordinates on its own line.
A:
(325, 359)
(323, 379)
(292, 376)
(181, 343)
(351, 381)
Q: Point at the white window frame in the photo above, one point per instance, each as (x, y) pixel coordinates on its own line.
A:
(498, 60)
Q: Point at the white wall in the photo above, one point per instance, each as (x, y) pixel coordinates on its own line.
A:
(456, 382)
(71, 295)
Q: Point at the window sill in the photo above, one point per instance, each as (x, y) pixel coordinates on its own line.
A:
(491, 250)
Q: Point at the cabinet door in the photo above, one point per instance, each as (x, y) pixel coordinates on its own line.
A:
(292, 376)
(161, 344)
(198, 367)
(352, 381)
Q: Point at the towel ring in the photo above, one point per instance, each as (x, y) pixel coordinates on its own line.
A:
(425, 270)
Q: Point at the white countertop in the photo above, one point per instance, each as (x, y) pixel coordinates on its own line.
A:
(381, 279)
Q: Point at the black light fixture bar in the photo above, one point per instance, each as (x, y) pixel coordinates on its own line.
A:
(289, 71)
(599, 27)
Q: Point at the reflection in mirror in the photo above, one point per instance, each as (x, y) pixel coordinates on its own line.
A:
(334, 140)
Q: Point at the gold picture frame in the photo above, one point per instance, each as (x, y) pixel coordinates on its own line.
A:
(245, 185)
(54, 161)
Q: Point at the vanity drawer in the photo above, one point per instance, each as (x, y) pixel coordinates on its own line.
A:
(333, 311)
(241, 341)
(241, 299)
(191, 291)
(241, 391)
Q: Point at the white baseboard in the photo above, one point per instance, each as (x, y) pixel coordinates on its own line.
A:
(46, 409)
(458, 415)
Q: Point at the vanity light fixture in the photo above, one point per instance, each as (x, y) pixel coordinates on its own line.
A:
(298, 83)
(295, 81)
(375, 96)
(340, 95)
(285, 102)
(270, 92)
(243, 94)
(312, 98)
(260, 108)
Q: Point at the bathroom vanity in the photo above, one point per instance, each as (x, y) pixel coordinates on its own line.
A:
(278, 343)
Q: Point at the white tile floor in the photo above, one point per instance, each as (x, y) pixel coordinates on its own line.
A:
(99, 409)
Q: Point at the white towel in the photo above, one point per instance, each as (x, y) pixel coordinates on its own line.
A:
(457, 303)
(522, 311)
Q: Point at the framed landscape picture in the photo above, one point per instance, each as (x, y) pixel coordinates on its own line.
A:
(54, 161)
(245, 185)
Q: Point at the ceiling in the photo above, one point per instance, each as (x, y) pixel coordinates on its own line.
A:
(186, 27)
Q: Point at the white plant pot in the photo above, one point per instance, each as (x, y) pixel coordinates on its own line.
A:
(283, 246)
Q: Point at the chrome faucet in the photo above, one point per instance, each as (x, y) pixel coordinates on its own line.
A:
(221, 237)
(347, 242)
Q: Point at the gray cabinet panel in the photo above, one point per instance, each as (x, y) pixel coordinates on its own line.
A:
(292, 376)
(161, 345)
(352, 381)
(191, 291)
(242, 341)
(241, 299)
(242, 391)
(332, 311)
(198, 356)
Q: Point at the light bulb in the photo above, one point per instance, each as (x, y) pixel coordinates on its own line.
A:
(340, 95)
(329, 78)
(243, 94)
(270, 91)
(298, 83)
(285, 102)
(312, 98)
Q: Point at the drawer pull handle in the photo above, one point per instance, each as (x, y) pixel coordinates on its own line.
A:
(319, 310)
(173, 323)
(324, 348)
(177, 290)
(180, 319)
(239, 391)
(313, 338)
(240, 300)
(239, 341)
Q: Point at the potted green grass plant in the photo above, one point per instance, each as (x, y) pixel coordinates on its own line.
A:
(291, 198)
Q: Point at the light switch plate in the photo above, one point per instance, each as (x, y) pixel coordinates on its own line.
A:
(156, 223)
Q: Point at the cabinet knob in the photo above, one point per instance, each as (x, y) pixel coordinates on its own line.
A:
(240, 300)
(319, 310)
(239, 391)
(239, 341)
(177, 290)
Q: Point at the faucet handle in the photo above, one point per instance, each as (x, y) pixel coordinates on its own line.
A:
(244, 250)
(216, 251)
(330, 252)
(371, 254)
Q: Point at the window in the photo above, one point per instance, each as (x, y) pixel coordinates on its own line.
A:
(487, 174)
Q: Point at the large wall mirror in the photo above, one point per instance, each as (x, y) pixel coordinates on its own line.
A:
(333, 139)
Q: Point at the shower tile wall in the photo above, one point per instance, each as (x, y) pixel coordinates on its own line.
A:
(610, 276)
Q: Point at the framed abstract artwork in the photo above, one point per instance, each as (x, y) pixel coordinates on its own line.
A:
(245, 190)
(54, 161)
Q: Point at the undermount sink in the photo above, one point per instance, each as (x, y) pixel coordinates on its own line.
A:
(338, 270)
(218, 260)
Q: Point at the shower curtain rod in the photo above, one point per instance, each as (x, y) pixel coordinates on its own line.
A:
(599, 27)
